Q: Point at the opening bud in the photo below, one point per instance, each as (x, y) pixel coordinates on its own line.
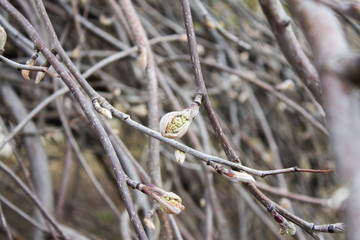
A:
(169, 202)
(175, 124)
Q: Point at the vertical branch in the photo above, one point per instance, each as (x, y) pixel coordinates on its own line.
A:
(194, 56)
(200, 84)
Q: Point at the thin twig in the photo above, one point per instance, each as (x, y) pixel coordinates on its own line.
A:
(19, 66)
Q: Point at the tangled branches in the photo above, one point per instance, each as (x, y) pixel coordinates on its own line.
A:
(252, 103)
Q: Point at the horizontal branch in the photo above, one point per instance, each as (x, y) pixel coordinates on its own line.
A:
(202, 156)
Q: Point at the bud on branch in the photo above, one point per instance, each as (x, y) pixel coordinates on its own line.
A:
(175, 124)
(170, 203)
(233, 176)
(286, 227)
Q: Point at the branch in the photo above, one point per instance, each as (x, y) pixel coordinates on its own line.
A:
(200, 84)
(281, 26)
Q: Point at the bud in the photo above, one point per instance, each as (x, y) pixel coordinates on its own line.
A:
(103, 111)
(3, 37)
(149, 223)
(175, 124)
(39, 76)
(183, 38)
(30, 62)
(285, 203)
(106, 21)
(234, 176)
(76, 52)
(339, 227)
(287, 85)
(286, 227)
(339, 197)
(106, 113)
(210, 23)
(143, 58)
(180, 156)
(170, 203)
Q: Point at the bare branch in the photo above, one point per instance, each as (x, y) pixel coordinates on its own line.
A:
(281, 26)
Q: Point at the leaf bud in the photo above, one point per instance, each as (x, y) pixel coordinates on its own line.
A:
(175, 124)
(169, 202)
